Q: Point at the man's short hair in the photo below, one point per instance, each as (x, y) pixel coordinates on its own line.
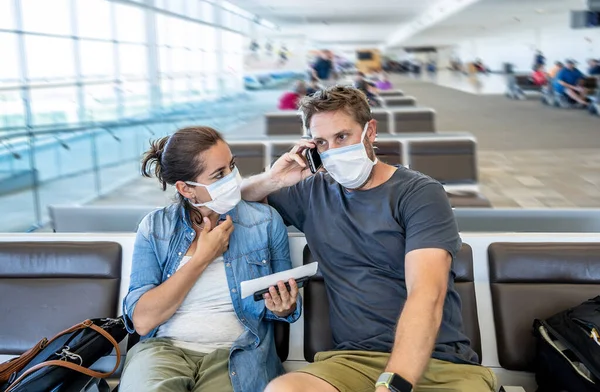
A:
(349, 99)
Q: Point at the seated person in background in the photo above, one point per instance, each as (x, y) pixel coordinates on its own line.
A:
(289, 100)
(594, 69)
(384, 83)
(558, 66)
(480, 67)
(313, 85)
(370, 90)
(539, 76)
(197, 333)
(385, 237)
(568, 81)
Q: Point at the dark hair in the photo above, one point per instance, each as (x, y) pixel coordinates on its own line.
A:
(177, 157)
(349, 99)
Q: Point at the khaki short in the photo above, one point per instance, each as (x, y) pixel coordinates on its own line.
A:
(357, 371)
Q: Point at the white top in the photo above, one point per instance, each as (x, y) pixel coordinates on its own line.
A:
(206, 320)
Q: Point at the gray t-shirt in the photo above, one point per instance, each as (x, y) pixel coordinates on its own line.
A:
(360, 239)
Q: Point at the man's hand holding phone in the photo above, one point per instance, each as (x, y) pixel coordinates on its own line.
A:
(293, 167)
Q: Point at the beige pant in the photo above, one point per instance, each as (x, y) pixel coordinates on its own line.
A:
(357, 371)
(155, 365)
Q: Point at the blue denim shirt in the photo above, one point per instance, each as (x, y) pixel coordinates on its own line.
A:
(258, 246)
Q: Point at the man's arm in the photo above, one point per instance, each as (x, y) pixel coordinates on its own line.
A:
(427, 273)
(258, 187)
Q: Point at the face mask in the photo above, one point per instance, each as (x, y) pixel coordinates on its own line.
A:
(225, 193)
(350, 166)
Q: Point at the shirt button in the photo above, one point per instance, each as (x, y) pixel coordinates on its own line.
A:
(179, 253)
(228, 265)
(233, 290)
(243, 320)
(168, 275)
(264, 261)
(233, 373)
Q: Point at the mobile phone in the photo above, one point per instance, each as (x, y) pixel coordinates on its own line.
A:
(314, 159)
(258, 296)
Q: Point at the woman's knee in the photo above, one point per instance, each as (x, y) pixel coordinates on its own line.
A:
(285, 383)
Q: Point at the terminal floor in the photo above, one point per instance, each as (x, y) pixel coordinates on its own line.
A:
(529, 155)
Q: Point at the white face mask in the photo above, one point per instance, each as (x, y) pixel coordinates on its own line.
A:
(225, 193)
(350, 166)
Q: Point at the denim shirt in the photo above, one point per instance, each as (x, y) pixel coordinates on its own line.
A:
(258, 246)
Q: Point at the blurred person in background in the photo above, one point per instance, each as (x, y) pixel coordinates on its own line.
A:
(568, 83)
(556, 68)
(538, 59)
(384, 83)
(323, 68)
(539, 76)
(290, 99)
(197, 333)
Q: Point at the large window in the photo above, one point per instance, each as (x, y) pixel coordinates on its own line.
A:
(94, 60)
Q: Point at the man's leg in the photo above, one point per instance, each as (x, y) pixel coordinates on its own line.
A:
(333, 371)
(451, 377)
(155, 365)
(574, 95)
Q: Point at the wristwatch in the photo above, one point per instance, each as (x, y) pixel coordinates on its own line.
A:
(393, 382)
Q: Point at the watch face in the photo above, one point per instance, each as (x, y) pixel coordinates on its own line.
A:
(398, 384)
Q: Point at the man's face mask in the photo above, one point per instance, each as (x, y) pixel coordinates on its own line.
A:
(350, 166)
(225, 193)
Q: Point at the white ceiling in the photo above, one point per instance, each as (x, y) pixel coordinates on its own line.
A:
(285, 12)
(490, 17)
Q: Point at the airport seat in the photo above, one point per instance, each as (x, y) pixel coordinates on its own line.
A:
(449, 162)
(317, 331)
(47, 287)
(391, 93)
(518, 85)
(464, 199)
(391, 102)
(55, 285)
(96, 219)
(250, 157)
(389, 151)
(383, 120)
(283, 123)
(543, 279)
(278, 149)
(413, 120)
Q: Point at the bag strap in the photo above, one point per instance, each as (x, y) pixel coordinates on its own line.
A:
(70, 365)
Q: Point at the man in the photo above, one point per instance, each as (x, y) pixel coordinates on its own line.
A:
(558, 66)
(385, 238)
(323, 67)
(538, 60)
(568, 83)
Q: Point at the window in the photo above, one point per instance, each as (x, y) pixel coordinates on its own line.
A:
(97, 60)
(43, 16)
(131, 26)
(49, 59)
(9, 65)
(133, 61)
(100, 102)
(54, 105)
(6, 15)
(11, 109)
(94, 19)
(207, 12)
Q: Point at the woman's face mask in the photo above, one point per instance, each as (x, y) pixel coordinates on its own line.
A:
(225, 193)
(350, 166)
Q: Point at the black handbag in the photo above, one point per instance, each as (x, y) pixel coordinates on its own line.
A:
(66, 358)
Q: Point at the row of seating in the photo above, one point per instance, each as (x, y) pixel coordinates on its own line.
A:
(450, 159)
(391, 120)
(90, 276)
(519, 86)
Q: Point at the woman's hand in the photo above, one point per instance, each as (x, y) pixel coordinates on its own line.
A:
(212, 243)
(282, 303)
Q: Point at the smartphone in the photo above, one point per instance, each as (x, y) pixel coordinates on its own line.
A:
(258, 296)
(314, 159)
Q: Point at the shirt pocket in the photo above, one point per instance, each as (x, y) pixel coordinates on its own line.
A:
(259, 262)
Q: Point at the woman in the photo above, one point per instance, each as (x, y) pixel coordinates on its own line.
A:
(290, 99)
(189, 258)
